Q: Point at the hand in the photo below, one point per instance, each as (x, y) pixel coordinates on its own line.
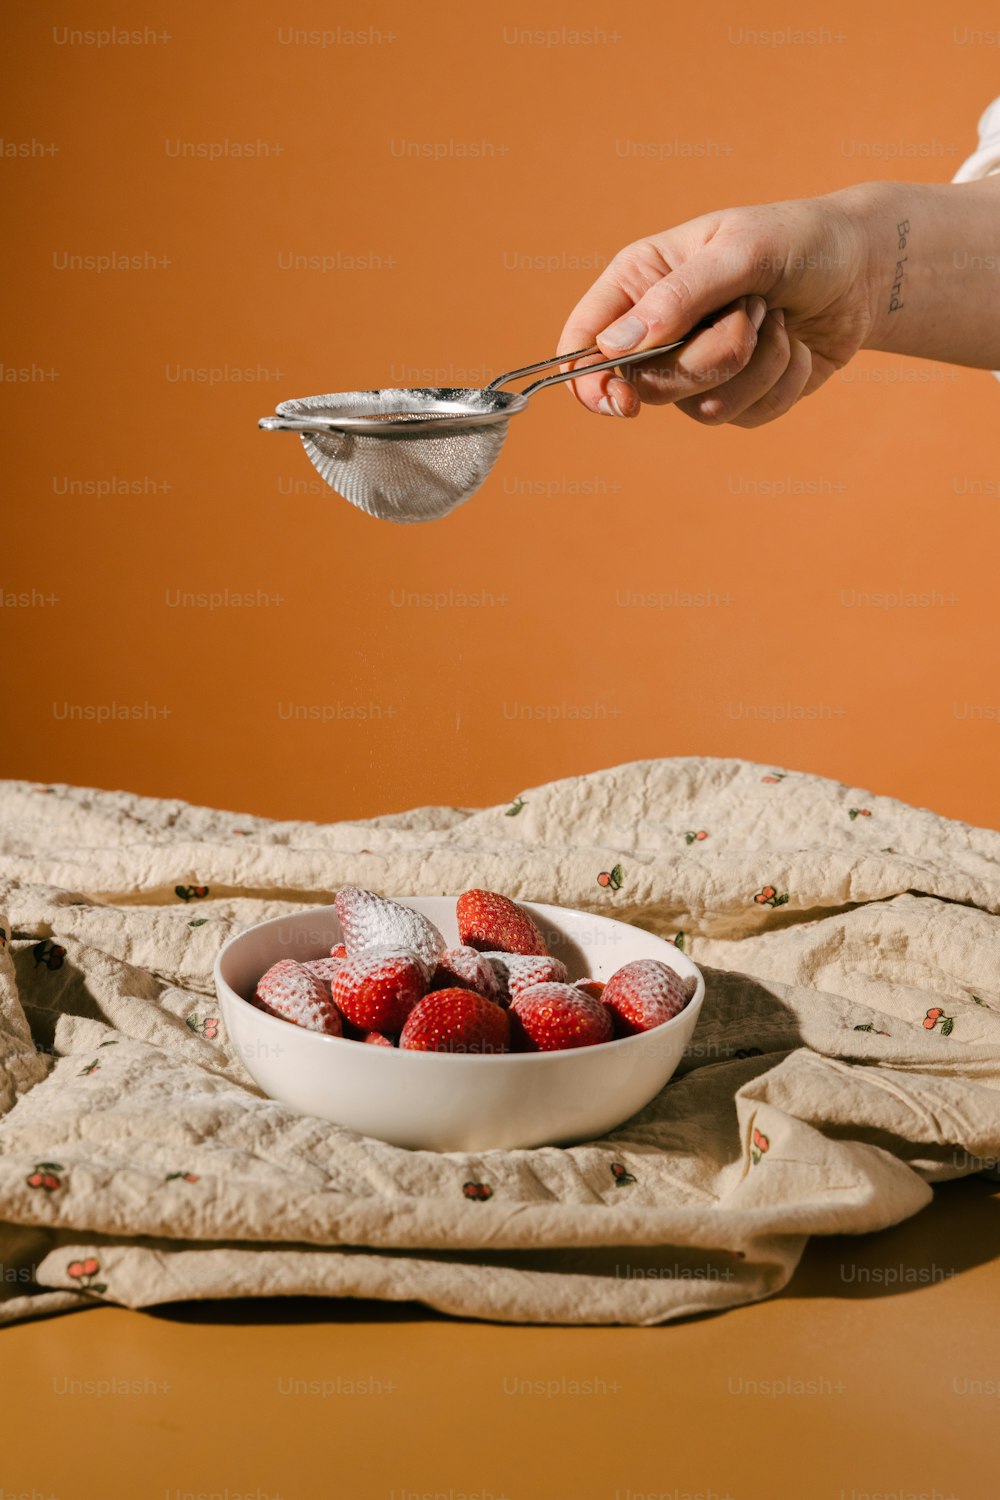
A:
(786, 292)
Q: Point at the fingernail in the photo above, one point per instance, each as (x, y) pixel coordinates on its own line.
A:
(756, 311)
(779, 316)
(605, 408)
(619, 410)
(624, 334)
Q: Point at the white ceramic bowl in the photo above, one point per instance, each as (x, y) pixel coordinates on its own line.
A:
(437, 1101)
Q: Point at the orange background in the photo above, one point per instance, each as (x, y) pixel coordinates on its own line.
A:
(891, 468)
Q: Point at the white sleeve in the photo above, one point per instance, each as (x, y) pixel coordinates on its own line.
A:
(986, 159)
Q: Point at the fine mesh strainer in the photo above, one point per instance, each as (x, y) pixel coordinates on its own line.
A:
(415, 454)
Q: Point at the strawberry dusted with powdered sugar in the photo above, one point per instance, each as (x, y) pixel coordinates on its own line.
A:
(289, 991)
(495, 924)
(456, 1021)
(371, 921)
(323, 968)
(519, 971)
(376, 990)
(644, 994)
(552, 1017)
(465, 969)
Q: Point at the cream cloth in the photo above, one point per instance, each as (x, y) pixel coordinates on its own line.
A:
(139, 1164)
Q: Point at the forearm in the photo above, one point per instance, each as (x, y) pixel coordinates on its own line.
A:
(933, 252)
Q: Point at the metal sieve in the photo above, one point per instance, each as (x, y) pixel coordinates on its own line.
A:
(415, 454)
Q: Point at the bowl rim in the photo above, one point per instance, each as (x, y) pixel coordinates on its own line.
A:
(692, 1007)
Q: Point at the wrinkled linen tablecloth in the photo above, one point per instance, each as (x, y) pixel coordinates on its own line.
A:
(847, 1056)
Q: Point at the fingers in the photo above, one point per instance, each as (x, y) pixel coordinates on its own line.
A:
(772, 382)
(670, 307)
(783, 395)
(641, 301)
(622, 397)
(732, 396)
(713, 356)
(618, 287)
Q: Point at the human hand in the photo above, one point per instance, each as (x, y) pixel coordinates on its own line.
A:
(785, 290)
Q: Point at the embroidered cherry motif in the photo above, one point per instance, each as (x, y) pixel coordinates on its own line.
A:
(760, 1145)
(623, 1177)
(44, 1176)
(84, 1271)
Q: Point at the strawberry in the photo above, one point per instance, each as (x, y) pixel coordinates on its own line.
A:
(290, 991)
(456, 1021)
(518, 971)
(551, 1017)
(376, 1039)
(492, 923)
(378, 989)
(644, 994)
(465, 969)
(370, 921)
(592, 987)
(323, 968)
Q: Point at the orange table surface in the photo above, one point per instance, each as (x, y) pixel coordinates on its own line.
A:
(874, 1376)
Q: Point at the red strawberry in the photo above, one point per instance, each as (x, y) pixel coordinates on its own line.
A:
(371, 921)
(465, 969)
(324, 968)
(519, 971)
(592, 987)
(289, 990)
(492, 923)
(377, 990)
(338, 951)
(551, 1017)
(376, 1039)
(456, 1021)
(644, 994)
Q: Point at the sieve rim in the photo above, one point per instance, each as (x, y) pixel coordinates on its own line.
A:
(439, 412)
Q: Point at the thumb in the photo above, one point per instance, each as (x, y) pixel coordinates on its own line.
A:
(708, 282)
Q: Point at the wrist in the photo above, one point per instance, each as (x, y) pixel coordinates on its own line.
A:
(879, 228)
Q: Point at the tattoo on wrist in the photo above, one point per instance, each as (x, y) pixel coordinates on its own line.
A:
(902, 234)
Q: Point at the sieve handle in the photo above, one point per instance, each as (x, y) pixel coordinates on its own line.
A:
(298, 424)
(560, 375)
